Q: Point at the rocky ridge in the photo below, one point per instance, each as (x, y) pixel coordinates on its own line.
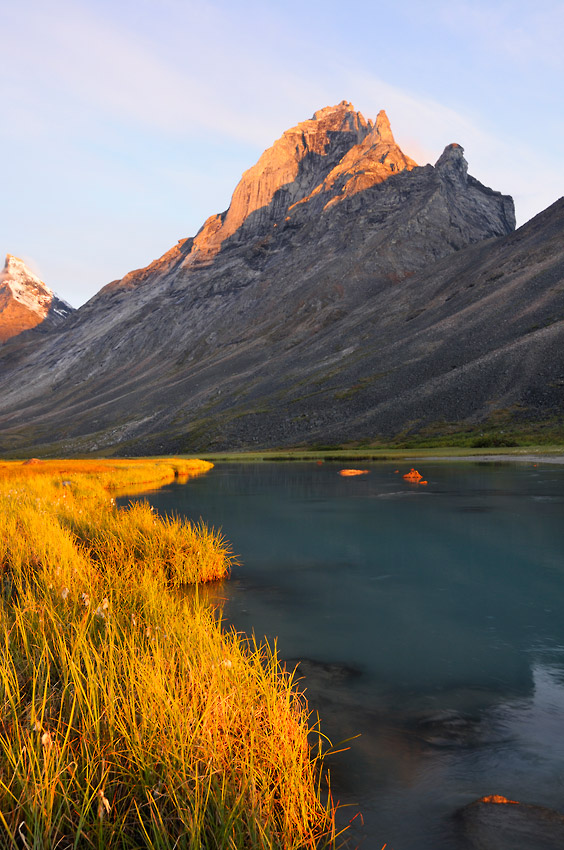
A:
(330, 302)
(25, 301)
(285, 174)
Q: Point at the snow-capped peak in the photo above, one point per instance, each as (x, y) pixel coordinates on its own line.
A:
(25, 286)
(20, 283)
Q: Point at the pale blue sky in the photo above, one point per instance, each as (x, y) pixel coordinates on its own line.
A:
(126, 123)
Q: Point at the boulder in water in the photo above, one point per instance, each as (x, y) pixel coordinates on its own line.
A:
(496, 823)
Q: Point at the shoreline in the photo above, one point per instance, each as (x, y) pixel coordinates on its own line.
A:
(535, 454)
(529, 458)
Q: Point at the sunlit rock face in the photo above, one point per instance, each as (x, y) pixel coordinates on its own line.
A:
(366, 164)
(318, 307)
(25, 301)
(319, 164)
(285, 173)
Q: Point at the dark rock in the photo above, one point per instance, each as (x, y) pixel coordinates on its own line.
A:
(452, 729)
(322, 673)
(494, 823)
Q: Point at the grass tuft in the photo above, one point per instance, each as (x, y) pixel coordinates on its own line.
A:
(128, 717)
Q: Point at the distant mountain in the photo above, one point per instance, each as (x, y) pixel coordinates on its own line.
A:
(346, 294)
(26, 302)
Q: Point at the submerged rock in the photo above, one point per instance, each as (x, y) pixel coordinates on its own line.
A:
(496, 823)
(453, 729)
(323, 673)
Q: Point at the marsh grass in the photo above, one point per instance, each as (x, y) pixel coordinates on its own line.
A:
(128, 717)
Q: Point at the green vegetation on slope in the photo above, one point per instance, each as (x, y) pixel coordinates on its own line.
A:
(392, 453)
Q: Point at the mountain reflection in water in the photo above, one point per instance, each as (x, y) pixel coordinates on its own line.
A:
(426, 620)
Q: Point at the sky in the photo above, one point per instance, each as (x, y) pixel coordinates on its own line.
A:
(126, 124)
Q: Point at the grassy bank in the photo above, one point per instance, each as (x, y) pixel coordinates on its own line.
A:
(128, 718)
(388, 453)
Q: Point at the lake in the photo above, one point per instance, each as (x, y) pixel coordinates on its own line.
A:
(428, 620)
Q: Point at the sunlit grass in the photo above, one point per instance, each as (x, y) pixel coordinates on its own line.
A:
(128, 717)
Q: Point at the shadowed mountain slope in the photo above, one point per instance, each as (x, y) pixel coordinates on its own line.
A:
(346, 294)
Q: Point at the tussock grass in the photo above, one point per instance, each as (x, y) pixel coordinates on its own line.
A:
(128, 717)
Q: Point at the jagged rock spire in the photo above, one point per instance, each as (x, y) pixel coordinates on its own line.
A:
(383, 129)
(452, 163)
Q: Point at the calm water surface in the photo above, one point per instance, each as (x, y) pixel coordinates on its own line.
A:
(427, 620)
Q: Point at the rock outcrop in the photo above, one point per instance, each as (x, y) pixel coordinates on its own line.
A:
(346, 294)
(26, 302)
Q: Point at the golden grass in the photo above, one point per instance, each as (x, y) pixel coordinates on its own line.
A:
(128, 717)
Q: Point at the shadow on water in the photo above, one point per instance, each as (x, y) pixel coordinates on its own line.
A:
(426, 620)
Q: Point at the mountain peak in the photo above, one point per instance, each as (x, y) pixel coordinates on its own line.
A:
(25, 301)
(330, 156)
(343, 106)
(342, 115)
(370, 162)
(20, 278)
(285, 174)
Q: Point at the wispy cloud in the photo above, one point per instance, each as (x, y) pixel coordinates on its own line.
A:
(201, 83)
(74, 50)
(526, 33)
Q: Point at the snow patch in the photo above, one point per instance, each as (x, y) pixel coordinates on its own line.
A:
(30, 291)
(25, 287)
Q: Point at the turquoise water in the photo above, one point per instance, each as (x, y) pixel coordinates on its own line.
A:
(427, 620)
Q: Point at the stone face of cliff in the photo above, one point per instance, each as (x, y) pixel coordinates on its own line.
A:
(270, 325)
(368, 163)
(25, 301)
(285, 174)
